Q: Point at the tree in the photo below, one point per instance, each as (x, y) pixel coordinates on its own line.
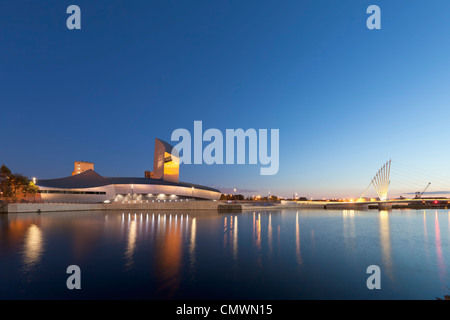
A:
(4, 171)
(12, 185)
(32, 188)
(5, 183)
(232, 197)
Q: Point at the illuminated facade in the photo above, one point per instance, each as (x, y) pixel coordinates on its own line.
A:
(161, 185)
(82, 166)
(166, 163)
(381, 181)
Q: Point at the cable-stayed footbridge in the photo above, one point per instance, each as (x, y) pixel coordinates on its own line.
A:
(404, 185)
(408, 178)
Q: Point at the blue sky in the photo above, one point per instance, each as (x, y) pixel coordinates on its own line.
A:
(345, 99)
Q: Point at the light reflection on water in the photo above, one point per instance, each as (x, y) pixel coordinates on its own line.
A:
(33, 248)
(192, 249)
(304, 254)
(131, 243)
(385, 240)
(438, 245)
(297, 240)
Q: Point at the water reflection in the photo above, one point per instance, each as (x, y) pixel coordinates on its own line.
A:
(14, 230)
(258, 232)
(349, 227)
(235, 238)
(278, 238)
(225, 234)
(179, 256)
(438, 245)
(425, 226)
(230, 236)
(131, 244)
(257, 239)
(146, 223)
(33, 248)
(166, 232)
(169, 256)
(269, 234)
(254, 225)
(349, 223)
(385, 242)
(297, 241)
(425, 235)
(192, 245)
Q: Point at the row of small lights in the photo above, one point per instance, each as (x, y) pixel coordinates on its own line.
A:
(141, 201)
(152, 215)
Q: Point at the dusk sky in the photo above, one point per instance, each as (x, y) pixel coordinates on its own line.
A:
(345, 99)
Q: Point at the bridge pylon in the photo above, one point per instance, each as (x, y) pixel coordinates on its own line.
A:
(381, 181)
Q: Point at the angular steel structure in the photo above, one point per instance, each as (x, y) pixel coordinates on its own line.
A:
(381, 181)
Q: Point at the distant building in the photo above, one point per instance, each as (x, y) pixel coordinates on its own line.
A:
(86, 185)
(82, 166)
(148, 174)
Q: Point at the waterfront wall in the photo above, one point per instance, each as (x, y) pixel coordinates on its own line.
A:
(61, 207)
(3, 208)
(309, 205)
(190, 205)
(52, 207)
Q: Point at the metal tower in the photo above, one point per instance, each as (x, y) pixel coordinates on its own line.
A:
(381, 181)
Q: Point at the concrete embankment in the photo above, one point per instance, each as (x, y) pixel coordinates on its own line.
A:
(3, 208)
(191, 205)
(309, 205)
(61, 207)
(52, 207)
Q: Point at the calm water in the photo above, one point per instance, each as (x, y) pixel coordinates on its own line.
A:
(285, 254)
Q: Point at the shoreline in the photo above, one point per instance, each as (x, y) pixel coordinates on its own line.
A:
(221, 207)
(13, 208)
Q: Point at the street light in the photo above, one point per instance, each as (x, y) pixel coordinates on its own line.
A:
(34, 193)
(192, 192)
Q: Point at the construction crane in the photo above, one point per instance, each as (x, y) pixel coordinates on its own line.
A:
(419, 194)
